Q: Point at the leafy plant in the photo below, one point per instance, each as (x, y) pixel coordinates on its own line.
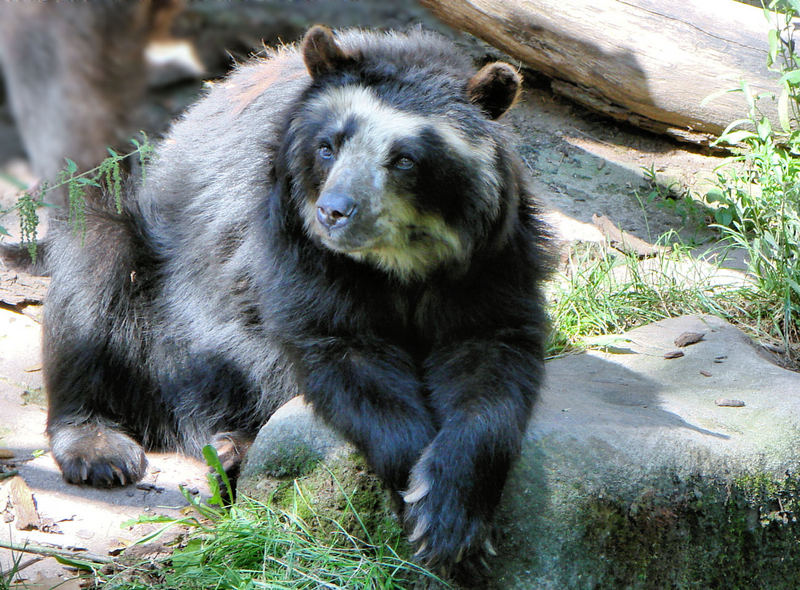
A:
(757, 197)
(28, 222)
(675, 199)
(106, 176)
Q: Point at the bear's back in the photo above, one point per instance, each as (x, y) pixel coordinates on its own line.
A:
(218, 155)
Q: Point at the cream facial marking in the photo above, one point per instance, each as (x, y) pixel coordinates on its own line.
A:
(388, 231)
(382, 123)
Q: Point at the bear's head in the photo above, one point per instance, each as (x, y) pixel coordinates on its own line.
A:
(394, 153)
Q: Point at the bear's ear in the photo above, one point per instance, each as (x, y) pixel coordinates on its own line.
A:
(494, 88)
(321, 54)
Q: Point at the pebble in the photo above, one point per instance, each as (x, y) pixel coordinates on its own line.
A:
(729, 403)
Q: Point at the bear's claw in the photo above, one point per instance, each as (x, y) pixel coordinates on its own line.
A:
(97, 455)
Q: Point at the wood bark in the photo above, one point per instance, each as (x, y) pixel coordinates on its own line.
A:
(18, 290)
(623, 241)
(24, 505)
(649, 62)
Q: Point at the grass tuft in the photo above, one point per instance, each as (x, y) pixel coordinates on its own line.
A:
(603, 292)
(252, 545)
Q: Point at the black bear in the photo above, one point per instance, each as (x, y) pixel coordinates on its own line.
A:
(344, 219)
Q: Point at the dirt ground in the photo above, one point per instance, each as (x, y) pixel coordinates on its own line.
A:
(581, 164)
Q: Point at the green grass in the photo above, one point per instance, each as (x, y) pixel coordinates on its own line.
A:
(755, 207)
(8, 575)
(253, 545)
(288, 544)
(602, 292)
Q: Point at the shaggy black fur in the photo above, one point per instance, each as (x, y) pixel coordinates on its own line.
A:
(207, 304)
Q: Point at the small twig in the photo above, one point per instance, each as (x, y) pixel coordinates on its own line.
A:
(16, 460)
(48, 552)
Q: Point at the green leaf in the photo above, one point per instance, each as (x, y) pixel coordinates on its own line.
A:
(748, 95)
(81, 564)
(189, 557)
(737, 123)
(783, 109)
(715, 95)
(715, 195)
(170, 523)
(72, 167)
(212, 459)
(764, 129)
(793, 284)
(723, 216)
(770, 240)
(791, 77)
(736, 136)
(774, 46)
(148, 519)
(612, 343)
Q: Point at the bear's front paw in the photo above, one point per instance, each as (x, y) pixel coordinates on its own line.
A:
(96, 455)
(447, 535)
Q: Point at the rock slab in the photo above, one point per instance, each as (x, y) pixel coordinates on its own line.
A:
(292, 443)
(632, 475)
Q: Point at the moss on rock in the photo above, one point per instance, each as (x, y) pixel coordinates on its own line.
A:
(291, 460)
(695, 533)
(340, 495)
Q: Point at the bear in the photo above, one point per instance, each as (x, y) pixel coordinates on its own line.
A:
(344, 219)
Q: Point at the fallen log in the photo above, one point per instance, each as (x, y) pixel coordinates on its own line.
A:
(18, 289)
(649, 62)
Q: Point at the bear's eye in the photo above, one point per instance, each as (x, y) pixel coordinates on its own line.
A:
(325, 151)
(404, 163)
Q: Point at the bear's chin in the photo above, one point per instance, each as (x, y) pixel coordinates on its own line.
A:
(350, 242)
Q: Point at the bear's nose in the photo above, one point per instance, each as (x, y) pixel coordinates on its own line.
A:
(335, 209)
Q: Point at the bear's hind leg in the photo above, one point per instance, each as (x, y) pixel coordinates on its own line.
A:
(231, 448)
(99, 365)
(97, 454)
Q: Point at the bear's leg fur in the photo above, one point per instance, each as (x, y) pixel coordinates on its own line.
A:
(93, 405)
(482, 392)
(96, 354)
(370, 392)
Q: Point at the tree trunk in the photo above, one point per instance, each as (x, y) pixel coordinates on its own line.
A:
(648, 62)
